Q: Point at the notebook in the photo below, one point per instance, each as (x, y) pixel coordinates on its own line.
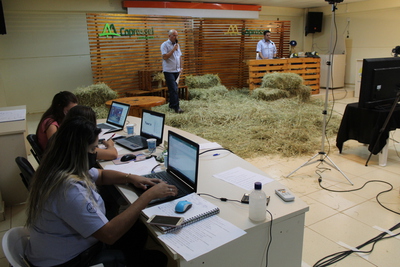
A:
(182, 170)
(152, 126)
(200, 209)
(116, 117)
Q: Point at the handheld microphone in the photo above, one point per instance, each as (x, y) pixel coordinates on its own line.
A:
(176, 41)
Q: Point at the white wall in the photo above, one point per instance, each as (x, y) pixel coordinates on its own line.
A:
(372, 31)
(294, 15)
(45, 49)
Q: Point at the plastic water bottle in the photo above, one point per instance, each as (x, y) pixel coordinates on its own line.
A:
(257, 203)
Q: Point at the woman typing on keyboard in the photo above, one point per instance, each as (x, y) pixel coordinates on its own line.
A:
(66, 216)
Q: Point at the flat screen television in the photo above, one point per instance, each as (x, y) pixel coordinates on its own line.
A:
(380, 82)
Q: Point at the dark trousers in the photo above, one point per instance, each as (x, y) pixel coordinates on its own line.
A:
(170, 80)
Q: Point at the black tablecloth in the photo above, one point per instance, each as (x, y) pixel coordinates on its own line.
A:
(363, 125)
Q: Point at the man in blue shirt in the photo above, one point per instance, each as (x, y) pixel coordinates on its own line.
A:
(266, 49)
(172, 68)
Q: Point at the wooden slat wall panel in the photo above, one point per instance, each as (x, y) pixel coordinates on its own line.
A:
(117, 60)
(307, 68)
(222, 46)
(209, 46)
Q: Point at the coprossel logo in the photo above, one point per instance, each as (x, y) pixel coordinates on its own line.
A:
(109, 30)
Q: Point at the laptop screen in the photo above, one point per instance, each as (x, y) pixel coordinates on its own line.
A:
(152, 125)
(183, 158)
(118, 113)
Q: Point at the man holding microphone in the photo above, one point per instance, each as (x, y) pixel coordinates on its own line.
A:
(172, 62)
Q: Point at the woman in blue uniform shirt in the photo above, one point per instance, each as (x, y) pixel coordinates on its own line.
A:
(66, 216)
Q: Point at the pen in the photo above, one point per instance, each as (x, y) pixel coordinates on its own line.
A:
(268, 198)
(110, 137)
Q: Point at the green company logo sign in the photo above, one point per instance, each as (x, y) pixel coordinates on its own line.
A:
(234, 30)
(110, 30)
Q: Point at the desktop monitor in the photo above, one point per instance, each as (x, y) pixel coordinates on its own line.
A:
(380, 82)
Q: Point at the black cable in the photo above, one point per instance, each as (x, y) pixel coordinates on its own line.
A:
(213, 149)
(220, 198)
(152, 170)
(270, 226)
(333, 258)
(356, 189)
(270, 239)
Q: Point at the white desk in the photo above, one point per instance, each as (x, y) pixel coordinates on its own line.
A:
(248, 250)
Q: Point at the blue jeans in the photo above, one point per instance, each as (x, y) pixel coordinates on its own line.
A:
(170, 80)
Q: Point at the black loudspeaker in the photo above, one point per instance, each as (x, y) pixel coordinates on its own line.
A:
(314, 22)
(2, 21)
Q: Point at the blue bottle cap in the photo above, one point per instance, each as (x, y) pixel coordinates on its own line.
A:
(257, 186)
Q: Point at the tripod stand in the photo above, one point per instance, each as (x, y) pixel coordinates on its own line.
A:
(323, 157)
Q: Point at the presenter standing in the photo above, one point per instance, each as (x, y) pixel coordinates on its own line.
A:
(172, 62)
(266, 49)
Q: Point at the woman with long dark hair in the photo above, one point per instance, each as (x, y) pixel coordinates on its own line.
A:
(66, 215)
(54, 116)
(107, 153)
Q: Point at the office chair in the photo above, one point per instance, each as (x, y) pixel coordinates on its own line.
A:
(27, 171)
(36, 150)
(14, 243)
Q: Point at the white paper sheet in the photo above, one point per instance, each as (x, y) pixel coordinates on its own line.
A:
(12, 115)
(201, 237)
(242, 178)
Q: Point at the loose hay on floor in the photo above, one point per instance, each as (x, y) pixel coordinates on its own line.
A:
(251, 127)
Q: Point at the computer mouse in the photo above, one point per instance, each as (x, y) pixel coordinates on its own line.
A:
(128, 157)
(182, 206)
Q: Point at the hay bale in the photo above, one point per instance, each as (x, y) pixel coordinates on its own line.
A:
(101, 112)
(269, 94)
(282, 80)
(207, 94)
(95, 95)
(304, 93)
(204, 81)
(289, 82)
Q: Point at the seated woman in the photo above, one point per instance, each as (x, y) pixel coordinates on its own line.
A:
(54, 115)
(110, 152)
(66, 216)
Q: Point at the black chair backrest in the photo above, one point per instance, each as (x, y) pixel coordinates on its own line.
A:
(36, 149)
(27, 171)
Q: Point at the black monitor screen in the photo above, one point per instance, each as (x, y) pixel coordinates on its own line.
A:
(380, 82)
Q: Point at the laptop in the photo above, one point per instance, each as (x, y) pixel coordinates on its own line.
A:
(152, 126)
(182, 170)
(116, 117)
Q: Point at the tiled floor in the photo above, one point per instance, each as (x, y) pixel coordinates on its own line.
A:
(334, 218)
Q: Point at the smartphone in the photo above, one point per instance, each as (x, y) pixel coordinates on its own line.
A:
(171, 221)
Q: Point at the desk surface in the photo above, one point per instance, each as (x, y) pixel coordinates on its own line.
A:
(288, 218)
(364, 125)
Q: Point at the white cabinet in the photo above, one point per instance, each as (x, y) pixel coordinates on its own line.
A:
(338, 71)
(12, 143)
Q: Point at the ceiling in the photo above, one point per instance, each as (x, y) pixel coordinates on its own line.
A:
(281, 3)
